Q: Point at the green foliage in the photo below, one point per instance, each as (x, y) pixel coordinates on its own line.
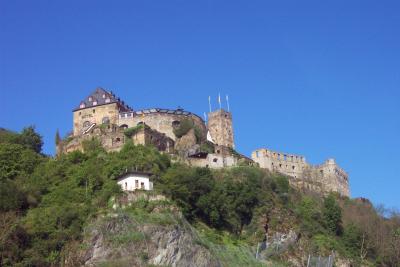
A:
(92, 146)
(207, 147)
(226, 203)
(280, 185)
(17, 160)
(133, 130)
(352, 240)
(332, 215)
(309, 214)
(57, 138)
(28, 138)
(184, 127)
(55, 198)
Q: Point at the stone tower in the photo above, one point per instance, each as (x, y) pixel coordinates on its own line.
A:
(220, 127)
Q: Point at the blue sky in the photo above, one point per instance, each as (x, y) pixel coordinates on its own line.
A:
(317, 78)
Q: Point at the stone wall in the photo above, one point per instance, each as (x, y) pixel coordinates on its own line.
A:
(112, 138)
(84, 117)
(160, 121)
(325, 178)
(148, 136)
(220, 128)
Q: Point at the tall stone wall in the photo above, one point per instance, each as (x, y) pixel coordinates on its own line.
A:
(326, 177)
(82, 118)
(160, 121)
(220, 128)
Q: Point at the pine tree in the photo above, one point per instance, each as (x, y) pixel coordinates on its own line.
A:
(58, 138)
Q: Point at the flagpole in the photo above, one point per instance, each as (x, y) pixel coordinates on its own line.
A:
(209, 103)
(227, 102)
(219, 101)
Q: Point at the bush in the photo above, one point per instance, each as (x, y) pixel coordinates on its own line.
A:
(184, 127)
(207, 147)
(133, 130)
(332, 215)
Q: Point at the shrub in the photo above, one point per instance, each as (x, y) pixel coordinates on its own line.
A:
(133, 130)
(207, 147)
(184, 127)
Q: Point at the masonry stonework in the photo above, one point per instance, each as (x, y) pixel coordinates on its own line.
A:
(220, 127)
(327, 177)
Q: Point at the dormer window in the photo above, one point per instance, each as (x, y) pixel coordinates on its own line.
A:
(104, 95)
(90, 98)
(108, 100)
(94, 103)
(82, 105)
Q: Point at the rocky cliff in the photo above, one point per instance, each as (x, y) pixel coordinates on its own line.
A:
(137, 237)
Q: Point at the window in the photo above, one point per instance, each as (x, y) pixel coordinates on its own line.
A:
(94, 103)
(104, 95)
(293, 167)
(118, 139)
(82, 105)
(94, 111)
(105, 120)
(176, 123)
(142, 185)
(108, 100)
(136, 184)
(80, 113)
(86, 124)
(257, 155)
(215, 160)
(90, 98)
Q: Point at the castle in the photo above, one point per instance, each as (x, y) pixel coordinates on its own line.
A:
(190, 139)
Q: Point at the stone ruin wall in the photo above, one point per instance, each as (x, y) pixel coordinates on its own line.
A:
(161, 122)
(323, 178)
(112, 138)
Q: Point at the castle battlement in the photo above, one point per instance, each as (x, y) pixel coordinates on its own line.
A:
(328, 176)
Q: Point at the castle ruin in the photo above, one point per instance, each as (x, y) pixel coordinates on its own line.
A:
(326, 177)
(104, 116)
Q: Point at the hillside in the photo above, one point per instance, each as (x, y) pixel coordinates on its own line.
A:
(70, 211)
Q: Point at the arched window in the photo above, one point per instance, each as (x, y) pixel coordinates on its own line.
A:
(123, 126)
(105, 120)
(86, 124)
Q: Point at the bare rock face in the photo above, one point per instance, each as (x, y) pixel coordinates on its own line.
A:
(123, 241)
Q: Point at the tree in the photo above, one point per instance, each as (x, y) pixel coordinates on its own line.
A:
(332, 215)
(31, 139)
(57, 138)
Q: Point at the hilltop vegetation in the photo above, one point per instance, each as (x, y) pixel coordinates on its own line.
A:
(47, 203)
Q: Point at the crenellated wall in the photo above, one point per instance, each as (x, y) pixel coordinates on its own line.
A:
(326, 177)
